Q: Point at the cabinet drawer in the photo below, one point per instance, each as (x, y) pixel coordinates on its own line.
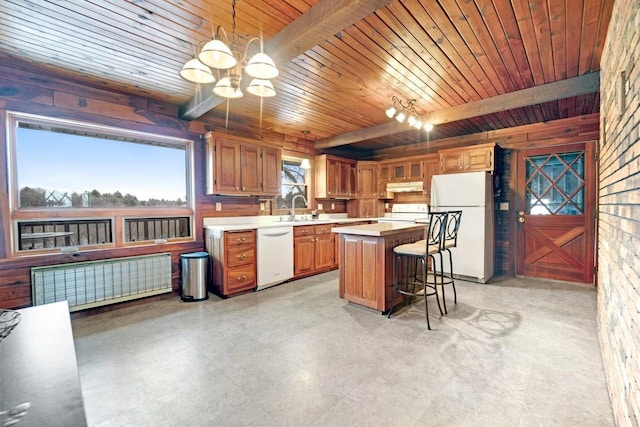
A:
(304, 230)
(241, 278)
(323, 229)
(240, 238)
(240, 255)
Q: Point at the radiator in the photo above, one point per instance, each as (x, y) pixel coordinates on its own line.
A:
(95, 283)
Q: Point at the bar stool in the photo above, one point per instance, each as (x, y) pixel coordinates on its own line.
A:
(450, 241)
(411, 255)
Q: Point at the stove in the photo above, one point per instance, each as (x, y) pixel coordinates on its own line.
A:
(406, 212)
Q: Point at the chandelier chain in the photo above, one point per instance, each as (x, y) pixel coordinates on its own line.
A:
(233, 17)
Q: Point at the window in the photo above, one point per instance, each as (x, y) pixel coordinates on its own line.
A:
(48, 234)
(87, 176)
(294, 182)
(144, 229)
(68, 168)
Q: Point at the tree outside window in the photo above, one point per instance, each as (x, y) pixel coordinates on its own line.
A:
(294, 182)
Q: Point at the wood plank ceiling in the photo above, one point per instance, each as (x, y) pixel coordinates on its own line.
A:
(443, 53)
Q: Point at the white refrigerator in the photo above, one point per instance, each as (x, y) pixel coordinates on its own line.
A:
(472, 193)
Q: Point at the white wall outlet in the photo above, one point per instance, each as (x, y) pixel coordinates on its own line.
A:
(333, 206)
(319, 206)
(218, 206)
(262, 206)
(504, 206)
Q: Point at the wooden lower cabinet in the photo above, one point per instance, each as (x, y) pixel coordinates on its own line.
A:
(233, 261)
(366, 267)
(313, 249)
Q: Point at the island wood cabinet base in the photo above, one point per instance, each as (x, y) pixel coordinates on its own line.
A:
(366, 267)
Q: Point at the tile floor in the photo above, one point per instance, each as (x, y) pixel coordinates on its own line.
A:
(512, 353)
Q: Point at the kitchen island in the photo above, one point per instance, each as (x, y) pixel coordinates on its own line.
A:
(366, 260)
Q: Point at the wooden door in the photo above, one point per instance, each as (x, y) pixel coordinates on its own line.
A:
(271, 170)
(324, 251)
(556, 212)
(431, 165)
(351, 193)
(303, 255)
(399, 171)
(451, 162)
(332, 178)
(479, 159)
(415, 170)
(343, 179)
(369, 208)
(251, 169)
(227, 162)
(367, 181)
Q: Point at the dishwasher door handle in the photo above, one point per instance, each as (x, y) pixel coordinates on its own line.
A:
(275, 233)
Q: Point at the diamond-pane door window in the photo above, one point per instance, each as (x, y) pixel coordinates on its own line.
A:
(555, 184)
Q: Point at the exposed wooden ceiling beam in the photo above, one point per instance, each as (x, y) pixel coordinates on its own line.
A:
(323, 20)
(587, 83)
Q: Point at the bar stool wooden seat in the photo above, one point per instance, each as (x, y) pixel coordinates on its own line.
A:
(412, 255)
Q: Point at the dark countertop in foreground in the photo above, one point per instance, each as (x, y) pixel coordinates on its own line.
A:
(38, 367)
(379, 229)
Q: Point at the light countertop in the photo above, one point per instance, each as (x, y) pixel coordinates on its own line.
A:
(249, 223)
(379, 229)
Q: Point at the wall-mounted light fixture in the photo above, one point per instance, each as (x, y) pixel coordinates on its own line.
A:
(407, 110)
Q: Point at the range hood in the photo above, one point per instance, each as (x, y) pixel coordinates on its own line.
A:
(404, 187)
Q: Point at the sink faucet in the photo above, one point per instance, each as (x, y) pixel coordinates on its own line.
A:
(293, 205)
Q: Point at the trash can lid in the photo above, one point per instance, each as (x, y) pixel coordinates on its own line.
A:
(195, 255)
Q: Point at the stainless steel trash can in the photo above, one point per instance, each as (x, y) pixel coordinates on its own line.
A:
(193, 286)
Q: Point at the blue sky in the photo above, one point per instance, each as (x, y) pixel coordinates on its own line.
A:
(71, 163)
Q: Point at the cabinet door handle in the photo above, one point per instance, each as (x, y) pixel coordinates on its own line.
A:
(241, 257)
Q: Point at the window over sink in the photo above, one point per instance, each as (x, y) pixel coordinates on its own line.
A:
(295, 181)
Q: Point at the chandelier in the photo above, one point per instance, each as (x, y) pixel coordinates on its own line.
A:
(401, 110)
(228, 55)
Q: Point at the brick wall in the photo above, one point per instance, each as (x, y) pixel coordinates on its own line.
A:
(619, 212)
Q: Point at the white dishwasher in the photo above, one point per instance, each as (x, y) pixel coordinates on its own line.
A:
(275, 255)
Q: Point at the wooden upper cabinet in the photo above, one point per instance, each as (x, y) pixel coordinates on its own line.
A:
(271, 170)
(384, 172)
(335, 177)
(367, 179)
(237, 167)
(250, 168)
(224, 176)
(402, 170)
(468, 159)
(431, 167)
